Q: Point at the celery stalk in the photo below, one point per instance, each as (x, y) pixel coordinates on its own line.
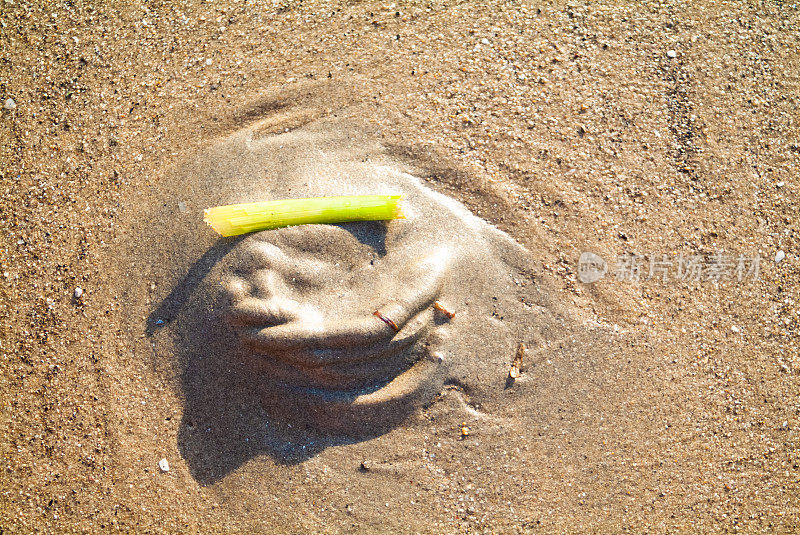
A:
(235, 219)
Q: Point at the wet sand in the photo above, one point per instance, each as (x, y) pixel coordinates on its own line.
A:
(648, 129)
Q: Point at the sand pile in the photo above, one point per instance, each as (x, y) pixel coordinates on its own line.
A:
(347, 327)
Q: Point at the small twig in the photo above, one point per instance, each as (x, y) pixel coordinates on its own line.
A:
(386, 320)
(440, 307)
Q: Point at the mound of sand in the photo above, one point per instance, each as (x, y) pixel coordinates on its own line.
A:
(338, 325)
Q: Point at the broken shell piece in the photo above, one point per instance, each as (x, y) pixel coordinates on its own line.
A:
(516, 366)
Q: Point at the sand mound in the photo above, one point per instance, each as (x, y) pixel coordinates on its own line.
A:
(298, 305)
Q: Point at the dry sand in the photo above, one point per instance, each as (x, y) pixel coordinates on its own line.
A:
(657, 406)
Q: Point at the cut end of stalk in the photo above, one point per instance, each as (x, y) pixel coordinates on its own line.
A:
(399, 213)
(218, 223)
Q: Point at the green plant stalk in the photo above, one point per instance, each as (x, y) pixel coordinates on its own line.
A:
(236, 219)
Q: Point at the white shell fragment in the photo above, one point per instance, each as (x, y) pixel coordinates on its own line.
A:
(163, 465)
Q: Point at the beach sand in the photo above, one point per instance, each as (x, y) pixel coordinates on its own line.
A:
(646, 403)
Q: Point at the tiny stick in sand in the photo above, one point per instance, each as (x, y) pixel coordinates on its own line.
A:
(516, 366)
(386, 320)
(441, 308)
(235, 219)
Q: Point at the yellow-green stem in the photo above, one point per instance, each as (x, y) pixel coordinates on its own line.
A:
(235, 219)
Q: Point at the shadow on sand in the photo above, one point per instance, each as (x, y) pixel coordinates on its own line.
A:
(225, 423)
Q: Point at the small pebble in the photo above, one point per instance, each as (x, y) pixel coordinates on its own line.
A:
(485, 41)
(780, 184)
(672, 54)
(735, 329)
(10, 105)
(78, 293)
(209, 61)
(779, 256)
(163, 464)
